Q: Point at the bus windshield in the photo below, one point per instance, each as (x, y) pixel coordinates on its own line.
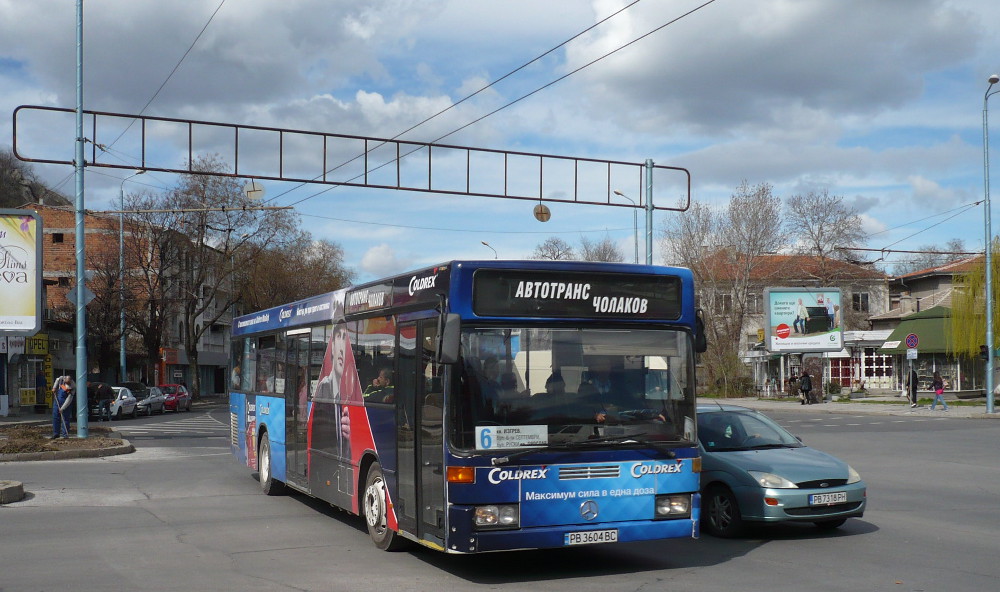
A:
(564, 386)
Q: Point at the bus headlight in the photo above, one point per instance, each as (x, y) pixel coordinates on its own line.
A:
(673, 506)
(496, 516)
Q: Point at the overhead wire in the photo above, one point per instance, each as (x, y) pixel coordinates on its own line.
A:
(519, 99)
(457, 103)
(172, 72)
(930, 227)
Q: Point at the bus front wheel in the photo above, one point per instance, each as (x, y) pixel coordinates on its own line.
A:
(376, 512)
(268, 483)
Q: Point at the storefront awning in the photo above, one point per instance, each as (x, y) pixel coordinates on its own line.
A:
(932, 328)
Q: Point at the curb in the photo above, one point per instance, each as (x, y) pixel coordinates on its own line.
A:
(887, 409)
(11, 491)
(125, 447)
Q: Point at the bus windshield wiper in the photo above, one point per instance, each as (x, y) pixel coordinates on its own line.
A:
(502, 460)
(638, 438)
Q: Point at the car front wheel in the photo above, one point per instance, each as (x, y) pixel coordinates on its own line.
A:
(722, 513)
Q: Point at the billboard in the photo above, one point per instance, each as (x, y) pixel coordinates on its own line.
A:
(20, 272)
(799, 320)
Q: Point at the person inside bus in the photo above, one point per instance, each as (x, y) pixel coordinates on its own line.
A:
(606, 391)
(381, 389)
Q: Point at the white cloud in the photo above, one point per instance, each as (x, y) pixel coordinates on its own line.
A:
(382, 260)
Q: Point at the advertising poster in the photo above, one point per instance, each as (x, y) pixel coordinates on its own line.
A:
(20, 272)
(803, 320)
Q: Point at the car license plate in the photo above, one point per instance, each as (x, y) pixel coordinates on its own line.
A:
(590, 537)
(826, 499)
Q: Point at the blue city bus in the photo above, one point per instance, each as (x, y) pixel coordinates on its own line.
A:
(482, 405)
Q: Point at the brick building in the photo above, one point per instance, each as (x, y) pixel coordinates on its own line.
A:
(55, 345)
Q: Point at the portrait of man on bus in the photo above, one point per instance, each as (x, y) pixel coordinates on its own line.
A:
(332, 371)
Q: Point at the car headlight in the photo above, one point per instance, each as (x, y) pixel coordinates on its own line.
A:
(673, 506)
(772, 481)
(852, 475)
(496, 516)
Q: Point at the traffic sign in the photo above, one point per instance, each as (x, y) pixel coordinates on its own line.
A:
(912, 340)
(87, 296)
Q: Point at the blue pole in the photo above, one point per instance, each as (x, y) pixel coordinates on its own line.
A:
(988, 247)
(81, 296)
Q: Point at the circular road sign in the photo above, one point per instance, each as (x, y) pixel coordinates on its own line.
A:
(911, 340)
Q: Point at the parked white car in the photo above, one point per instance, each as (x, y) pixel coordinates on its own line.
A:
(123, 404)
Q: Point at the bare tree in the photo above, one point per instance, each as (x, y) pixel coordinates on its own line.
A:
(104, 311)
(276, 274)
(223, 233)
(934, 256)
(554, 249)
(603, 250)
(725, 250)
(152, 255)
(822, 225)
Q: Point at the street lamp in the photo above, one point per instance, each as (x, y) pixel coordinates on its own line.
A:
(635, 222)
(121, 270)
(989, 245)
(491, 248)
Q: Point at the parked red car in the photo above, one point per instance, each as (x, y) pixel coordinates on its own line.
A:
(178, 397)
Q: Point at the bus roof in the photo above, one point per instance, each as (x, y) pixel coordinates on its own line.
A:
(456, 279)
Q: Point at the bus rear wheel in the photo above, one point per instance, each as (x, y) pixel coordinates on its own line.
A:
(376, 512)
(268, 483)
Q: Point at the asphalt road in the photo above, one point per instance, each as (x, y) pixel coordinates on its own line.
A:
(180, 514)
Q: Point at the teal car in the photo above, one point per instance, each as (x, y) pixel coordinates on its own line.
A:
(753, 470)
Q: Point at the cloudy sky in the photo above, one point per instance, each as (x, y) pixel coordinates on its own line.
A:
(877, 101)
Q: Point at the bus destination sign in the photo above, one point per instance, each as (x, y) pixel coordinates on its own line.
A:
(506, 293)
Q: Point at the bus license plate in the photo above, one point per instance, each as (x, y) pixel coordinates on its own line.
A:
(826, 499)
(590, 537)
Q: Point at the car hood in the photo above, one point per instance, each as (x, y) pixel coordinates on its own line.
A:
(795, 464)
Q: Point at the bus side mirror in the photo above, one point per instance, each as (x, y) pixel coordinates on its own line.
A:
(449, 338)
(700, 340)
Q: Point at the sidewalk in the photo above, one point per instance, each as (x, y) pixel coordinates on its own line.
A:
(877, 405)
(28, 416)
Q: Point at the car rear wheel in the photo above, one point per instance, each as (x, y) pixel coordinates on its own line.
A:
(722, 513)
(830, 524)
(268, 483)
(376, 512)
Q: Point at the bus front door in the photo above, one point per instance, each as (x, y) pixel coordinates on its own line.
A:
(420, 439)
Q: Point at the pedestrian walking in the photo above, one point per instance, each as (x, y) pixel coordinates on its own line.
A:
(938, 385)
(805, 385)
(911, 385)
(62, 399)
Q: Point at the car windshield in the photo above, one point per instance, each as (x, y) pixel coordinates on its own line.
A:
(726, 430)
(567, 386)
(169, 389)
